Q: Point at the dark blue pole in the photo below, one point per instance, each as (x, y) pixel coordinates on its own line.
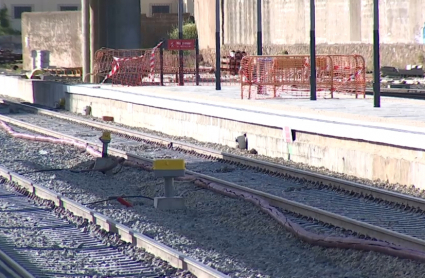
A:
(217, 46)
(259, 29)
(180, 14)
(312, 50)
(376, 59)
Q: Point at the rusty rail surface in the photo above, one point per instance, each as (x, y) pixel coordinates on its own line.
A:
(406, 246)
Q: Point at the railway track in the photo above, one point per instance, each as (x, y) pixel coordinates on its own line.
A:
(37, 241)
(10, 268)
(400, 93)
(367, 212)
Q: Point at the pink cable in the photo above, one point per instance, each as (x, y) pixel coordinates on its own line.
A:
(90, 150)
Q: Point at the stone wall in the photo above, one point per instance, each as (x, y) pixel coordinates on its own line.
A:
(398, 55)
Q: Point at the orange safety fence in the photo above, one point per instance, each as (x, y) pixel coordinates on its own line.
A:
(289, 75)
(131, 67)
(121, 66)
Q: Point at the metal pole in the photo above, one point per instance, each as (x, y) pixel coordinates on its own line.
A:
(259, 29)
(181, 73)
(161, 64)
(197, 62)
(217, 46)
(312, 51)
(94, 35)
(169, 187)
(376, 59)
(85, 22)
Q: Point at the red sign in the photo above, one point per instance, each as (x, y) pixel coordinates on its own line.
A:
(181, 45)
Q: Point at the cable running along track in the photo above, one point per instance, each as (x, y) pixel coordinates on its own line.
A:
(364, 210)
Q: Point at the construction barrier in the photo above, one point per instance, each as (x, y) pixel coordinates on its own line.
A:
(137, 67)
(276, 76)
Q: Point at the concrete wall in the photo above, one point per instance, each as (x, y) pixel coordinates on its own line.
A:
(340, 25)
(60, 33)
(57, 32)
(337, 21)
(205, 10)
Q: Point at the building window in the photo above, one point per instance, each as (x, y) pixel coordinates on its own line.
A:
(68, 8)
(160, 9)
(18, 10)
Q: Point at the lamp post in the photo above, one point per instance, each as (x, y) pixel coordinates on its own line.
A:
(259, 29)
(217, 46)
(376, 59)
(181, 73)
(312, 50)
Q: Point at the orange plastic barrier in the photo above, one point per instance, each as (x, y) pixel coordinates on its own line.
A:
(124, 67)
(131, 67)
(276, 76)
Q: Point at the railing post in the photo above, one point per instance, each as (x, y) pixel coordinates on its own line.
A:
(376, 58)
(312, 51)
(161, 64)
(181, 72)
(217, 46)
(197, 62)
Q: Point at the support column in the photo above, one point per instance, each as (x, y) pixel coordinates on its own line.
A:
(94, 36)
(85, 48)
(123, 24)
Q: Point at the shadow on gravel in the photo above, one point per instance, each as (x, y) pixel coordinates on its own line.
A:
(223, 228)
(230, 234)
(8, 248)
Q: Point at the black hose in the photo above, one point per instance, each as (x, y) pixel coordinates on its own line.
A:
(116, 197)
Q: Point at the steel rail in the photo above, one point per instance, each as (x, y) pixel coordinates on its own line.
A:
(373, 231)
(173, 257)
(400, 93)
(13, 267)
(385, 195)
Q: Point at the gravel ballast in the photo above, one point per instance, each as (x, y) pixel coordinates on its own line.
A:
(49, 242)
(405, 189)
(361, 209)
(231, 235)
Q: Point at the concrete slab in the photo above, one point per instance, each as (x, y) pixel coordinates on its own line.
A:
(341, 106)
(170, 203)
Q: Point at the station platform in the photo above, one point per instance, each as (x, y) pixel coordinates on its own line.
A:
(343, 134)
(342, 116)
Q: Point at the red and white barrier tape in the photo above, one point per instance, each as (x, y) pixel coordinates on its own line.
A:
(116, 65)
(152, 61)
